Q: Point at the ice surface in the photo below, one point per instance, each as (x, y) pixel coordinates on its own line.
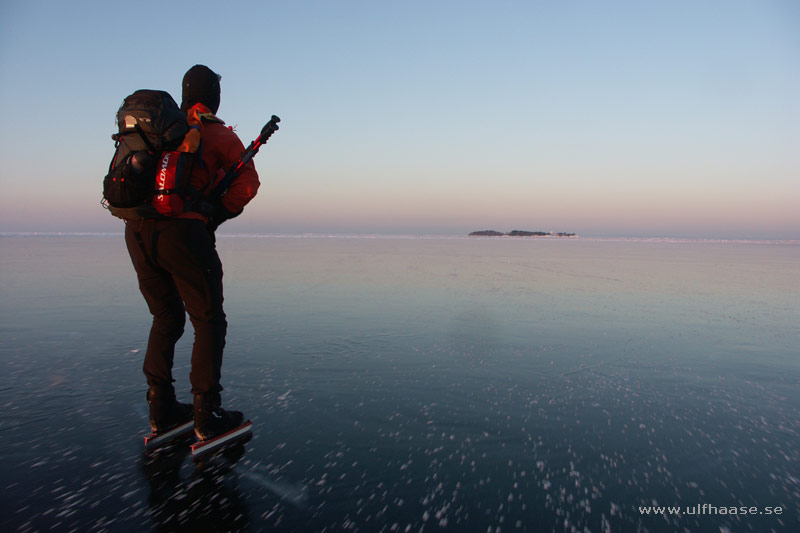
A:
(403, 383)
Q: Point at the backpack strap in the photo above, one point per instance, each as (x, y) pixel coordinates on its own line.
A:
(144, 138)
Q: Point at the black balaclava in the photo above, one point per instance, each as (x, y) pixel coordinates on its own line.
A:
(200, 85)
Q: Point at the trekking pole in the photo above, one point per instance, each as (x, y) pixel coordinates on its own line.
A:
(266, 132)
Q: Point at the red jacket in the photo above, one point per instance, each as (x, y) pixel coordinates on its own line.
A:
(220, 149)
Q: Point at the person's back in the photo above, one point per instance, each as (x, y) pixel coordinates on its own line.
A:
(179, 271)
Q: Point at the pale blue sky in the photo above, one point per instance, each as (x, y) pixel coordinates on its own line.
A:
(603, 118)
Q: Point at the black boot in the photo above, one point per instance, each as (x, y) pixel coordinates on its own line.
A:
(165, 411)
(210, 419)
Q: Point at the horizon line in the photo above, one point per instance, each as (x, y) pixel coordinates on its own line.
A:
(676, 239)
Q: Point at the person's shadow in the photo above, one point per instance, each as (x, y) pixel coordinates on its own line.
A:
(206, 498)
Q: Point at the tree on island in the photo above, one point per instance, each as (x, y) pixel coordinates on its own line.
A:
(486, 233)
(521, 233)
(518, 233)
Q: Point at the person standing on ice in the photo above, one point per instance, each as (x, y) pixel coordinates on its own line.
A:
(179, 271)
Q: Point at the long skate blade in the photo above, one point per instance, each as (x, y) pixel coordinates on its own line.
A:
(153, 441)
(206, 446)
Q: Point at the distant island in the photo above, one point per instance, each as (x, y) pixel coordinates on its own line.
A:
(518, 233)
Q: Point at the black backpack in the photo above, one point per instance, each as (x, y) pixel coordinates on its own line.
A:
(151, 126)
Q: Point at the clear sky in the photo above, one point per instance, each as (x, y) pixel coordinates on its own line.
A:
(604, 118)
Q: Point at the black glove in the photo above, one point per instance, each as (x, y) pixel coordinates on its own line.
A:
(214, 211)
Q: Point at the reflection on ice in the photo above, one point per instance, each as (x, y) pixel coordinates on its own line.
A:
(296, 495)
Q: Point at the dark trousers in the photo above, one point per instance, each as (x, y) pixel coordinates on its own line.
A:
(178, 269)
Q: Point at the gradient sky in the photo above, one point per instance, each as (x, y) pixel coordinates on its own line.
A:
(677, 118)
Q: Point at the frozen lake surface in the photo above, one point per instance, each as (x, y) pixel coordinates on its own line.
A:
(402, 384)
